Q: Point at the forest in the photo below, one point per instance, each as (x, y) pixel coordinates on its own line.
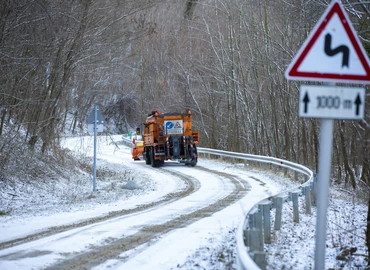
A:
(222, 59)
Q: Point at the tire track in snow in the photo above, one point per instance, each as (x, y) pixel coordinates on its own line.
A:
(191, 186)
(152, 233)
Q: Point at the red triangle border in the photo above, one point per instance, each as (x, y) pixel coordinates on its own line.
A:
(336, 9)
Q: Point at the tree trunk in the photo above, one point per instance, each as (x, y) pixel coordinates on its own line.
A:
(3, 115)
(347, 167)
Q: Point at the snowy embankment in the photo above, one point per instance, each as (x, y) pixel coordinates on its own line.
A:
(293, 247)
(208, 243)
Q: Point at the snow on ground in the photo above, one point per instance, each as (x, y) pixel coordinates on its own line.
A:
(293, 247)
(205, 244)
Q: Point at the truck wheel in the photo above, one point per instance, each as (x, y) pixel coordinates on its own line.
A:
(147, 156)
(193, 162)
(192, 158)
(154, 162)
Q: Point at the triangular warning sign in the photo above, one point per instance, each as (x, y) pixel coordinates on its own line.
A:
(332, 52)
(178, 125)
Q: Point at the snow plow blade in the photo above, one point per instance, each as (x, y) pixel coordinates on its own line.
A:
(137, 150)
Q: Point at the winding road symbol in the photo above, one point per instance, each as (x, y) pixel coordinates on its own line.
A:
(340, 49)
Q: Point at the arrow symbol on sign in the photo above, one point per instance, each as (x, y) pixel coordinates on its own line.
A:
(340, 49)
(358, 103)
(306, 100)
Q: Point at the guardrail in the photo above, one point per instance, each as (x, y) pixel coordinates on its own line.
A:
(127, 141)
(255, 229)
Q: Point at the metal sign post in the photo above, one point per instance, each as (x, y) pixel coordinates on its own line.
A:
(95, 131)
(95, 123)
(325, 153)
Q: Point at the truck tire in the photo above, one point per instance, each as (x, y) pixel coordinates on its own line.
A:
(191, 158)
(147, 156)
(193, 162)
(154, 163)
(194, 159)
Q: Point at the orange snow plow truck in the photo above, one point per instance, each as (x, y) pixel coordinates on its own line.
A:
(167, 136)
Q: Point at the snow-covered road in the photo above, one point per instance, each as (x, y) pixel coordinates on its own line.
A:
(191, 207)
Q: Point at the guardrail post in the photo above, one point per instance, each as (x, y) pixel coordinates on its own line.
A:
(251, 222)
(245, 237)
(255, 241)
(314, 188)
(265, 207)
(260, 259)
(278, 212)
(307, 194)
(295, 206)
(258, 225)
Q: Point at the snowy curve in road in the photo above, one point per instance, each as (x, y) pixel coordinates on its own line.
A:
(159, 236)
